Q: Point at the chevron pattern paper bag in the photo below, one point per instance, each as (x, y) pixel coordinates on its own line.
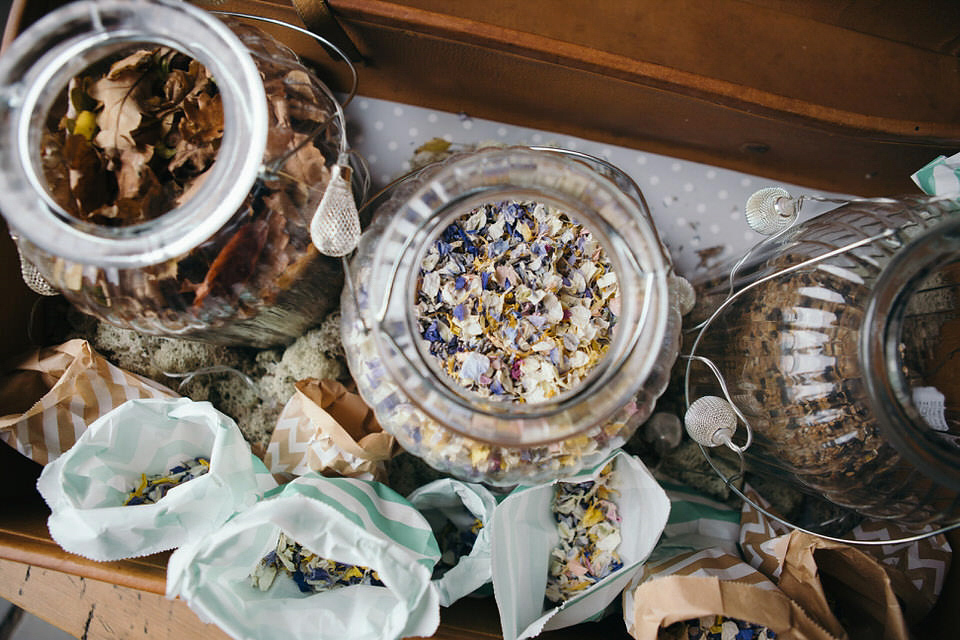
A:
(48, 399)
(917, 570)
(327, 429)
(893, 585)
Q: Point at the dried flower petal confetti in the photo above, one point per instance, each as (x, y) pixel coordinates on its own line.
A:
(516, 301)
(454, 544)
(716, 628)
(312, 573)
(589, 526)
(152, 488)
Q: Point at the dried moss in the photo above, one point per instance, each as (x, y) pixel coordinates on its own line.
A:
(249, 385)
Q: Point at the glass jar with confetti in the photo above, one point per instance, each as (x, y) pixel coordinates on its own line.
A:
(161, 167)
(511, 314)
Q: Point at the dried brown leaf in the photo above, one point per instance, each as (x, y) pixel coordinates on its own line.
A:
(202, 119)
(89, 181)
(308, 165)
(137, 61)
(121, 112)
(190, 159)
(56, 172)
(177, 86)
(133, 172)
(236, 263)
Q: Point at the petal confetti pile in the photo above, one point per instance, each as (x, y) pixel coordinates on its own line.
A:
(716, 628)
(454, 544)
(589, 526)
(312, 573)
(517, 301)
(152, 488)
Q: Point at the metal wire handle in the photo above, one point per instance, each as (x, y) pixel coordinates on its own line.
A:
(729, 482)
(326, 43)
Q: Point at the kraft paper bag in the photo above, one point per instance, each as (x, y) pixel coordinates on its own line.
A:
(330, 430)
(699, 541)
(661, 602)
(48, 398)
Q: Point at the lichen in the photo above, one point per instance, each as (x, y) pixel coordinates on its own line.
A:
(249, 385)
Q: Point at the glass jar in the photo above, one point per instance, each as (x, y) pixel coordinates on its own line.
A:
(223, 254)
(840, 348)
(412, 368)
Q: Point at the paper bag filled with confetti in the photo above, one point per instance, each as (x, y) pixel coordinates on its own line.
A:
(565, 550)
(48, 398)
(707, 607)
(147, 477)
(318, 558)
(330, 430)
(699, 541)
(459, 514)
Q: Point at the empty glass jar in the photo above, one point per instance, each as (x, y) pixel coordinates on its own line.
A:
(511, 314)
(841, 347)
(160, 168)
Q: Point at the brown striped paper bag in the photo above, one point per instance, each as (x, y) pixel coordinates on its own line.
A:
(326, 428)
(697, 573)
(48, 398)
(665, 600)
(712, 562)
(884, 587)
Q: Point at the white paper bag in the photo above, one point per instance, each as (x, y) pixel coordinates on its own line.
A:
(449, 500)
(524, 532)
(349, 520)
(87, 486)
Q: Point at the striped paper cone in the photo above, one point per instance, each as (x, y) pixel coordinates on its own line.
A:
(86, 487)
(940, 176)
(344, 519)
(70, 386)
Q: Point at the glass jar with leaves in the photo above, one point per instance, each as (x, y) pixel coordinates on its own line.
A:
(161, 168)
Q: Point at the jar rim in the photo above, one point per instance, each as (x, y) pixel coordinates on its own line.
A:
(453, 189)
(50, 52)
(880, 341)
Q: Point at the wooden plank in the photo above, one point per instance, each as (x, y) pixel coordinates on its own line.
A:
(809, 136)
(97, 610)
